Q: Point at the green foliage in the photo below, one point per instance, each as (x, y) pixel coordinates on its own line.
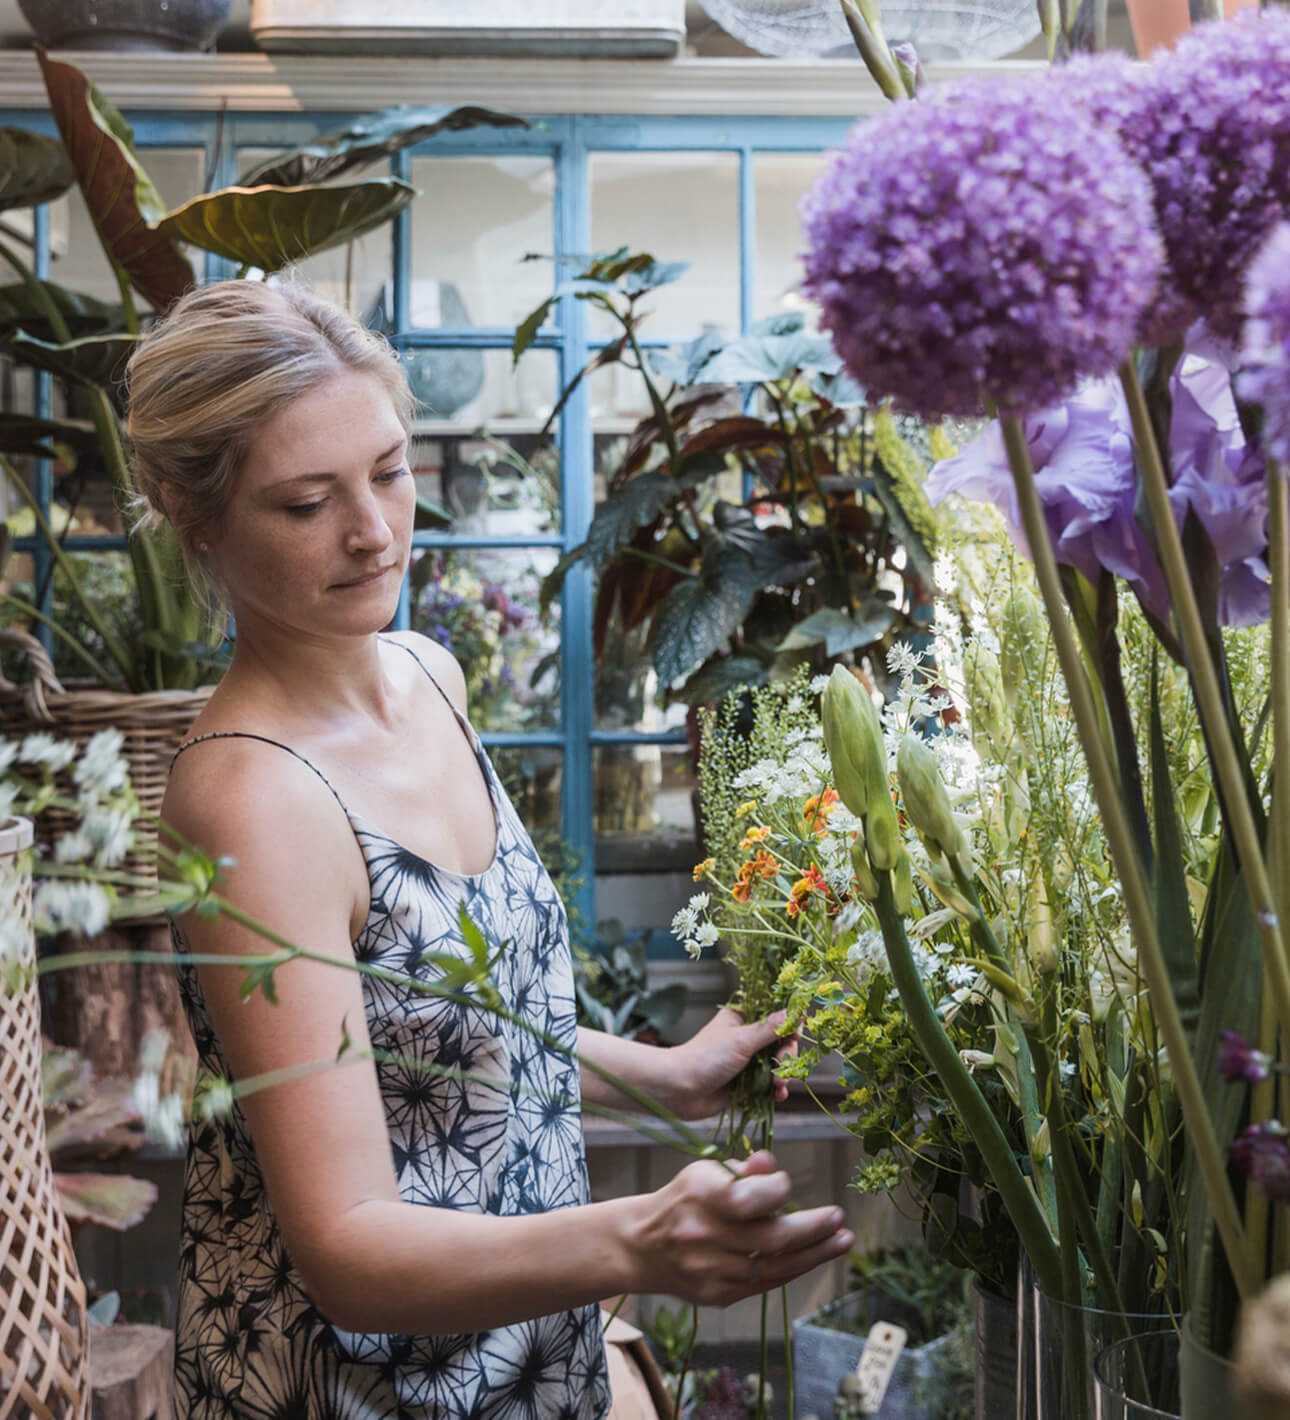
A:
(612, 987)
(822, 551)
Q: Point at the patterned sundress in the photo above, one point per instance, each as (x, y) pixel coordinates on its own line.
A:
(249, 1341)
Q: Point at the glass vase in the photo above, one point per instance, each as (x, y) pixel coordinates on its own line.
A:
(1137, 1379)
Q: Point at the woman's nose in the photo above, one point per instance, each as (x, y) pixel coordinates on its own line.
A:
(368, 528)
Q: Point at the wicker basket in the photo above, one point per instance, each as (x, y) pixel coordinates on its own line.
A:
(154, 724)
(44, 1326)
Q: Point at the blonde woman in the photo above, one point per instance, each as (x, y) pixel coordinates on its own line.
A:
(370, 1238)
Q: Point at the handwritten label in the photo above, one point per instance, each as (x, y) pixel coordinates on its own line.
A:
(877, 1363)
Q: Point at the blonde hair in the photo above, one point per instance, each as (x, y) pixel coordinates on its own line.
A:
(224, 359)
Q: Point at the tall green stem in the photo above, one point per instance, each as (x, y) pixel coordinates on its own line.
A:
(1137, 896)
(1209, 696)
(977, 1116)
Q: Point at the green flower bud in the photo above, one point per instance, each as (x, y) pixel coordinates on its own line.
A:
(902, 885)
(1025, 635)
(882, 833)
(926, 802)
(866, 883)
(853, 737)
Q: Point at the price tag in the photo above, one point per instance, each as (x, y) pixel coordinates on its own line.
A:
(877, 1363)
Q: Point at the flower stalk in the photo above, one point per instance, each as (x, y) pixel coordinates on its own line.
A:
(1246, 1270)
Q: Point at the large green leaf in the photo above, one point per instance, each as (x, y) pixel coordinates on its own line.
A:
(271, 227)
(722, 675)
(841, 631)
(368, 139)
(84, 315)
(93, 360)
(33, 169)
(630, 508)
(123, 202)
(761, 357)
(65, 439)
(696, 620)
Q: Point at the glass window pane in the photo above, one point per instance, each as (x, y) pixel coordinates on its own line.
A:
(76, 257)
(475, 221)
(356, 275)
(644, 803)
(532, 775)
(677, 207)
(781, 180)
(482, 604)
(487, 461)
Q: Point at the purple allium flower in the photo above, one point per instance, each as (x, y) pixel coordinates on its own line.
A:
(1239, 1060)
(1261, 1152)
(1265, 353)
(977, 243)
(1083, 456)
(1212, 132)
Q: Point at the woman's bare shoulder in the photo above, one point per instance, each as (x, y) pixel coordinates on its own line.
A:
(439, 661)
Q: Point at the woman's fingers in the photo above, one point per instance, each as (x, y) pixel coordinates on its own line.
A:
(768, 1273)
(788, 1233)
(754, 1195)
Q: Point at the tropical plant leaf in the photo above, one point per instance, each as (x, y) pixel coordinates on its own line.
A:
(123, 202)
(111, 1200)
(696, 620)
(33, 169)
(368, 139)
(271, 227)
(84, 315)
(651, 276)
(840, 631)
(684, 364)
(720, 676)
(96, 361)
(526, 331)
(767, 357)
(63, 439)
(729, 435)
(638, 503)
(648, 434)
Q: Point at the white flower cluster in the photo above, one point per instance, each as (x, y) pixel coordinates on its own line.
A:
(162, 1115)
(691, 929)
(798, 776)
(104, 834)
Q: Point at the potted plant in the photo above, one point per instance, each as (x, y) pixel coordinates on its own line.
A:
(933, 1378)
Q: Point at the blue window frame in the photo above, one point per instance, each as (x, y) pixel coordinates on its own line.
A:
(571, 143)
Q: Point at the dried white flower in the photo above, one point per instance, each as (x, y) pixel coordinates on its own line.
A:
(70, 906)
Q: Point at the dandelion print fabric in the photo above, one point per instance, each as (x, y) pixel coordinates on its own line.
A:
(249, 1340)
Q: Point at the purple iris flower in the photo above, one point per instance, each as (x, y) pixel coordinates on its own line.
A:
(1082, 451)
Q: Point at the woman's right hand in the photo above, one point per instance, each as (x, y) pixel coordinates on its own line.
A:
(713, 1238)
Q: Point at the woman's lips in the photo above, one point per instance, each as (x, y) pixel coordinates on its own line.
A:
(366, 582)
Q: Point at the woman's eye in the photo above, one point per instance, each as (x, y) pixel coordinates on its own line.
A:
(303, 510)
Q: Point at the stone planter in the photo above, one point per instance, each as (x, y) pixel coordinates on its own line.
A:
(126, 24)
(44, 1325)
(824, 1354)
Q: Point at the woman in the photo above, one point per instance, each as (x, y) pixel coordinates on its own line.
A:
(401, 1228)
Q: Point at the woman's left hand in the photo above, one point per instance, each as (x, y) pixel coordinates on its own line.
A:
(703, 1067)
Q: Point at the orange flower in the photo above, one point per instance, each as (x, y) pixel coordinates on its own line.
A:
(753, 837)
(811, 881)
(701, 870)
(764, 865)
(817, 809)
(742, 890)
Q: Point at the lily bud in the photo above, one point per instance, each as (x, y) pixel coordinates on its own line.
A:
(1043, 946)
(882, 832)
(926, 802)
(853, 737)
(866, 883)
(1025, 633)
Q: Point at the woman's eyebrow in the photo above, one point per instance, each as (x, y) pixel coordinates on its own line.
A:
(328, 477)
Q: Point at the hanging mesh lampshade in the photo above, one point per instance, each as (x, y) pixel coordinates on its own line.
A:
(938, 29)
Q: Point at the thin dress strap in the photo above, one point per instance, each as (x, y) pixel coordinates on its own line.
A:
(246, 735)
(448, 698)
